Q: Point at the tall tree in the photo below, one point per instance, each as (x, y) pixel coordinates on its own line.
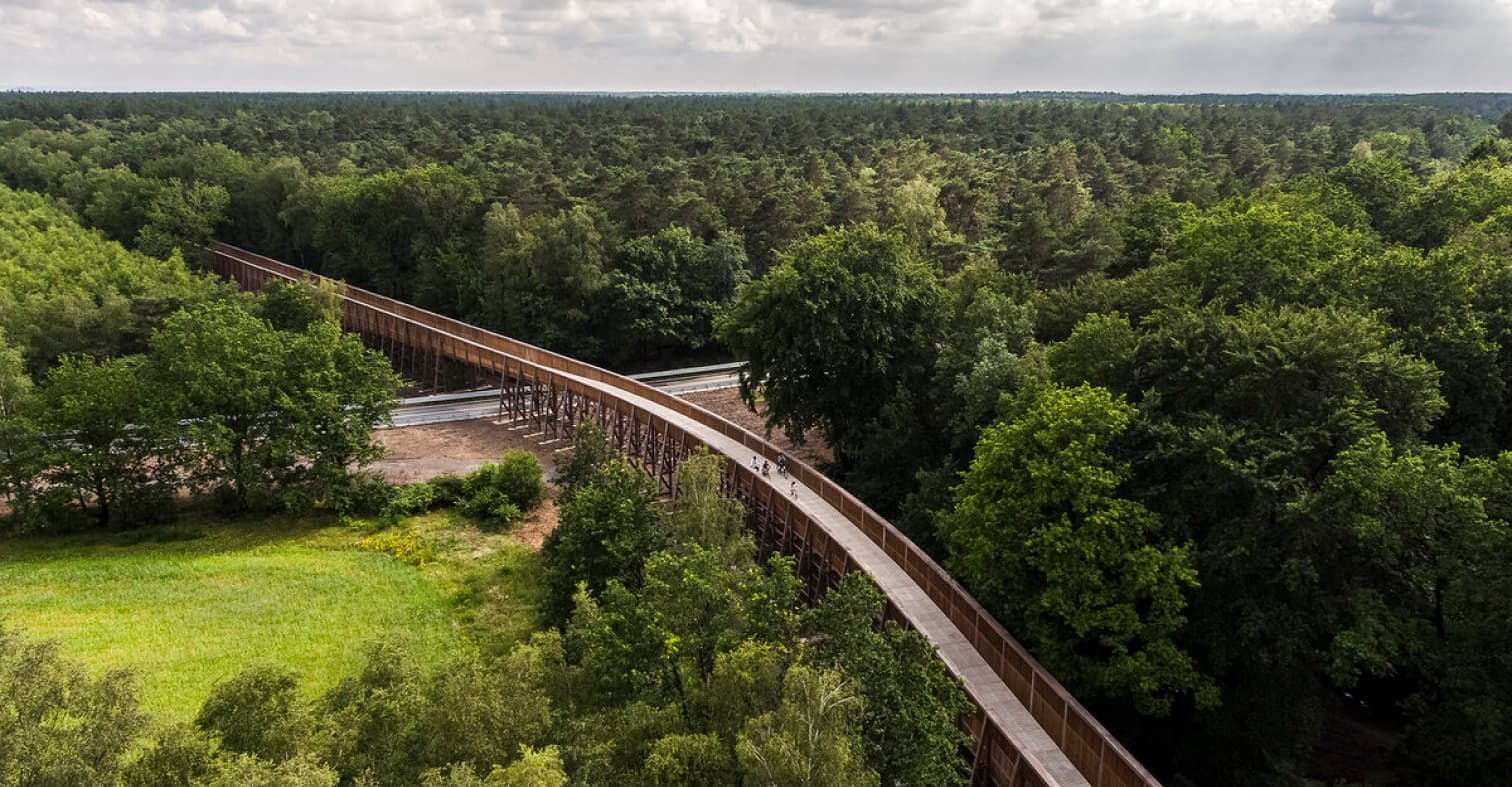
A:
(909, 725)
(182, 218)
(811, 739)
(20, 454)
(1431, 601)
(271, 409)
(338, 392)
(1086, 576)
(606, 532)
(107, 446)
(542, 275)
(222, 369)
(845, 320)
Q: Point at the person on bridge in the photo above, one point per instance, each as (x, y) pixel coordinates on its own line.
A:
(753, 463)
(781, 464)
(794, 488)
(766, 469)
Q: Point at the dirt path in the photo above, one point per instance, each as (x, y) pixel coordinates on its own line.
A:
(726, 403)
(419, 453)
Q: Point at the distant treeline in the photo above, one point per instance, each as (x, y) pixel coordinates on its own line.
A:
(1206, 400)
(613, 228)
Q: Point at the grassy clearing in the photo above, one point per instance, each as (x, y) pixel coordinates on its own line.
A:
(493, 580)
(192, 603)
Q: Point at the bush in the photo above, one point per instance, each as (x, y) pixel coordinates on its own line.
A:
(499, 493)
(521, 480)
(490, 507)
(51, 508)
(248, 771)
(364, 494)
(411, 500)
(182, 756)
(372, 721)
(257, 712)
(448, 489)
(59, 724)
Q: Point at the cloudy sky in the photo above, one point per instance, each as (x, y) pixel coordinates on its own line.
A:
(803, 45)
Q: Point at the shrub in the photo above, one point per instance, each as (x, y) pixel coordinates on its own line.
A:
(520, 479)
(51, 508)
(371, 722)
(58, 724)
(364, 494)
(411, 500)
(490, 507)
(182, 756)
(448, 489)
(499, 493)
(248, 771)
(257, 712)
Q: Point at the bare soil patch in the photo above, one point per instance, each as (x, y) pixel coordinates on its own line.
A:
(420, 453)
(539, 523)
(726, 403)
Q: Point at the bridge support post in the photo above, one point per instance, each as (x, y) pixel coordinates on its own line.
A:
(530, 381)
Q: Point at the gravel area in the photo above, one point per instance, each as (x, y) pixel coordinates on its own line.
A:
(419, 453)
(726, 403)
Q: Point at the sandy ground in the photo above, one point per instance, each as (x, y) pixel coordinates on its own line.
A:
(726, 402)
(537, 524)
(419, 453)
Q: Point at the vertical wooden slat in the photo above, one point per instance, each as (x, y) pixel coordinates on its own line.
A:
(423, 343)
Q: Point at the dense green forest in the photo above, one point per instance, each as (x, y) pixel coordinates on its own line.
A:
(1206, 400)
(665, 653)
(125, 379)
(671, 657)
(613, 229)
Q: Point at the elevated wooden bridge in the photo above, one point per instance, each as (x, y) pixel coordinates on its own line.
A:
(1027, 729)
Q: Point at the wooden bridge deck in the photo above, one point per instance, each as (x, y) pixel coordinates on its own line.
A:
(1028, 729)
(923, 615)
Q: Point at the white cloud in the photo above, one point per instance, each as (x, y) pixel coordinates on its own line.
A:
(742, 44)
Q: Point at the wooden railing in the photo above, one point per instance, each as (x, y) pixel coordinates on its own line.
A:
(1090, 748)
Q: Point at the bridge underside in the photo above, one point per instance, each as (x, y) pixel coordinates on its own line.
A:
(1027, 729)
(555, 410)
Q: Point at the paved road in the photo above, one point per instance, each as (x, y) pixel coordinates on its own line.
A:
(448, 407)
(483, 404)
(693, 379)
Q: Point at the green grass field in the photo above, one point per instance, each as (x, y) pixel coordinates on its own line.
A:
(189, 604)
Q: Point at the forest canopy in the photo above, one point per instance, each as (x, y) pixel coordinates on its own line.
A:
(1204, 397)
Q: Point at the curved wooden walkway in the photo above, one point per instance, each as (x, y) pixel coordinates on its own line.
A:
(991, 694)
(1028, 730)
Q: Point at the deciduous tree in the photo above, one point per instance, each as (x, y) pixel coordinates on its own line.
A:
(846, 319)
